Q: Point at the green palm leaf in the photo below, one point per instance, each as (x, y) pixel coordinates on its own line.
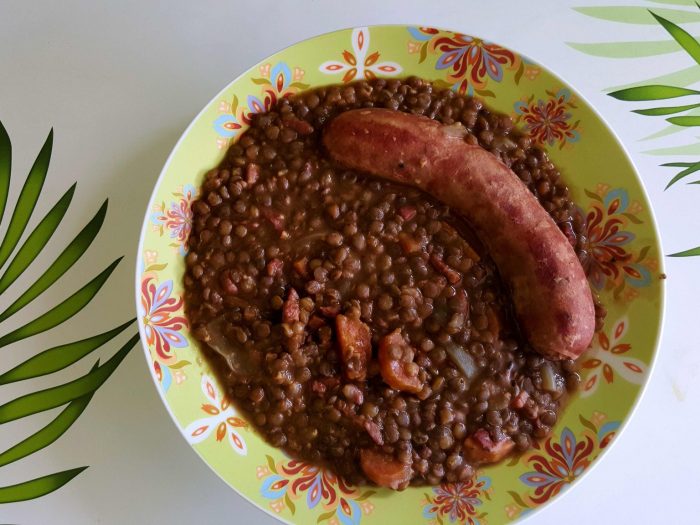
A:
(687, 121)
(37, 240)
(686, 253)
(27, 200)
(652, 92)
(681, 36)
(61, 265)
(37, 487)
(687, 171)
(657, 112)
(59, 357)
(60, 395)
(50, 433)
(5, 168)
(61, 313)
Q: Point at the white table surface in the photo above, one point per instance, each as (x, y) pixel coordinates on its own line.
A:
(120, 81)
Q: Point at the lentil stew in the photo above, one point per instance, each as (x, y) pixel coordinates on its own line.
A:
(360, 323)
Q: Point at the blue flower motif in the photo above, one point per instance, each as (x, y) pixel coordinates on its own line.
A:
(272, 488)
(350, 515)
(227, 126)
(419, 35)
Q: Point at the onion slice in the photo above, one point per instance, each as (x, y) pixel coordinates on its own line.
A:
(464, 361)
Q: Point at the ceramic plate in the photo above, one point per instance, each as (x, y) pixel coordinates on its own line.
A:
(623, 242)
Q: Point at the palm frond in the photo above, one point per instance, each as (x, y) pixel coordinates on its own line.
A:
(689, 170)
(37, 487)
(658, 112)
(57, 396)
(5, 168)
(61, 265)
(50, 433)
(680, 35)
(59, 357)
(76, 394)
(687, 253)
(37, 240)
(60, 313)
(27, 200)
(652, 92)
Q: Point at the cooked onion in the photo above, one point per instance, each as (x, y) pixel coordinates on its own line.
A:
(464, 361)
(551, 380)
(234, 357)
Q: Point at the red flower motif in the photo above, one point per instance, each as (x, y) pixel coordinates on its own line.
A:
(161, 327)
(567, 460)
(457, 501)
(548, 122)
(472, 60)
(610, 264)
(322, 483)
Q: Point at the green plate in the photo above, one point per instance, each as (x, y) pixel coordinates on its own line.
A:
(623, 243)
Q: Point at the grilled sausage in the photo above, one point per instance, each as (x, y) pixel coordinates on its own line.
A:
(551, 295)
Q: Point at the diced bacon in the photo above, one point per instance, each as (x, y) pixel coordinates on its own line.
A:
(274, 267)
(323, 385)
(480, 448)
(316, 322)
(441, 266)
(520, 400)
(290, 308)
(300, 126)
(275, 218)
(318, 387)
(330, 310)
(409, 244)
(407, 212)
(374, 431)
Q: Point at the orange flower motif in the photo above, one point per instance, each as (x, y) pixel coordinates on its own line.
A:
(360, 63)
(607, 356)
(221, 420)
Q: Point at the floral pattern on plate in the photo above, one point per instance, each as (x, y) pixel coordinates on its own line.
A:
(558, 461)
(287, 481)
(176, 218)
(550, 121)
(469, 63)
(359, 63)
(616, 260)
(458, 502)
(163, 323)
(221, 419)
(609, 354)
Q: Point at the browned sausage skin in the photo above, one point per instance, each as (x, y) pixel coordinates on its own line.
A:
(552, 298)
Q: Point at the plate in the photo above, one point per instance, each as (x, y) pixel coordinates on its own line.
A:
(627, 272)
